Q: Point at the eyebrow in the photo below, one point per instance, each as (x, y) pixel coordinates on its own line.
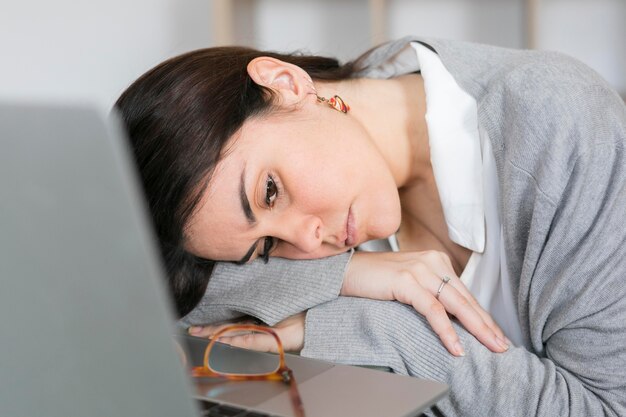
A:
(247, 210)
(245, 204)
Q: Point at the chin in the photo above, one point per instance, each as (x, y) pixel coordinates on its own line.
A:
(387, 222)
(385, 226)
(382, 218)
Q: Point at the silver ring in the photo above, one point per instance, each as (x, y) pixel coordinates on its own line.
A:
(444, 280)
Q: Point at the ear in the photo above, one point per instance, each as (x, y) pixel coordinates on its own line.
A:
(291, 83)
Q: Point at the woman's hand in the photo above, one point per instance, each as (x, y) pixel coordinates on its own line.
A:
(290, 331)
(414, 278)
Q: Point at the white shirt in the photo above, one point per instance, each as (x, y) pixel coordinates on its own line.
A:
(466, 178)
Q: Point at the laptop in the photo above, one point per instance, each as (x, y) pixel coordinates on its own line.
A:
(86, 325)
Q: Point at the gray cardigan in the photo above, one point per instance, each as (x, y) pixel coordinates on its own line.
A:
(558, 133)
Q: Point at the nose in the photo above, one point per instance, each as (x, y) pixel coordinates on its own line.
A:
(303, 231)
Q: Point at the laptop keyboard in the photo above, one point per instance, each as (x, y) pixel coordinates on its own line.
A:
(211, 409)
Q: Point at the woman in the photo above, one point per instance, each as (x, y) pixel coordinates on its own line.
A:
(508, 166)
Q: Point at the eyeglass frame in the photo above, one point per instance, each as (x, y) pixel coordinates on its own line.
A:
(282, 373)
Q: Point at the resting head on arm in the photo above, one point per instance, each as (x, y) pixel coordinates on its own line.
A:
(183, 117)
(242, 157)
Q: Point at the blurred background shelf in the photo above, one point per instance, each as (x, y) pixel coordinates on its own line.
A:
(593, 31)
(68, 50)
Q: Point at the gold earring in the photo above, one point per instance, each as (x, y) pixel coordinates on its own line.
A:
(335, 102)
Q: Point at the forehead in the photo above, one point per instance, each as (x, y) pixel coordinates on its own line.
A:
(218, 226)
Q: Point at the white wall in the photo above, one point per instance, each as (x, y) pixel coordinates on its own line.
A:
(336, 27)
(497, 22)
(593, 31)
(89, 51)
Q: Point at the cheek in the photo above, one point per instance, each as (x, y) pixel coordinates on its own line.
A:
(316, 183)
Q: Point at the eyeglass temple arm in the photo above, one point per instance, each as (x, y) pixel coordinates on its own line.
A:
(296, 400)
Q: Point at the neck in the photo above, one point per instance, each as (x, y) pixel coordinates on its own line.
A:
(392, 112)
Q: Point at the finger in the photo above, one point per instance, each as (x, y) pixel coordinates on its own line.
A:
(460, 286)
(422, 300)
(457, 305)
(462, 289)
(256, 341)
(204, 331)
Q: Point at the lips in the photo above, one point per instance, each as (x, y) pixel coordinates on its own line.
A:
(350, 229)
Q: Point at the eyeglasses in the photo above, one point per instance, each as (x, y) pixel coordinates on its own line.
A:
(272, 370)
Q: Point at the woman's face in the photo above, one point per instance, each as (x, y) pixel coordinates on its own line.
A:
(310, 181)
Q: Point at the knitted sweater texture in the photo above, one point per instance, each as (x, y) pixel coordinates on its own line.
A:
(558, 133)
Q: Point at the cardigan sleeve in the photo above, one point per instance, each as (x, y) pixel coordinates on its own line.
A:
(270, 292)
(576, 303)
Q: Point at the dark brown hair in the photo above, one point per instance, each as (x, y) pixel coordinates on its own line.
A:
(179, 116)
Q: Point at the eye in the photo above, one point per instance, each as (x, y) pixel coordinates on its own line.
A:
(271, 191)
(268, 245)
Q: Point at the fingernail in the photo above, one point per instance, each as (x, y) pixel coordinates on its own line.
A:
(193, 330)
(508, 342)
(503, 345)
(459, 349)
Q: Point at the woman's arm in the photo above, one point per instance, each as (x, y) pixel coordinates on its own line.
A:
(270, 292)
(413, 278)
